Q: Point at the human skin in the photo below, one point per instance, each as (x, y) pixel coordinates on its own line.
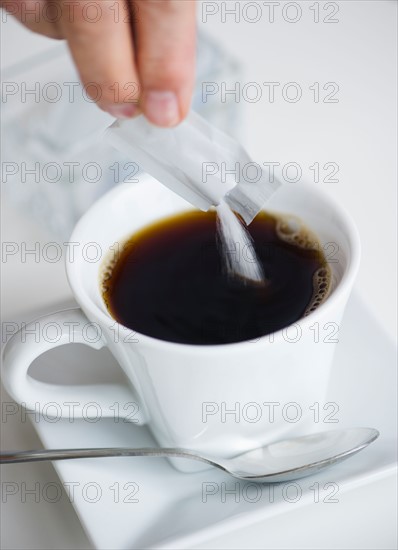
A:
(132, 55)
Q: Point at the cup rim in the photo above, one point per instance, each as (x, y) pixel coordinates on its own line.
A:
(97, 313)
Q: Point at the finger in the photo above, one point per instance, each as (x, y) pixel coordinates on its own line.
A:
(39, 16)
(165, 39)
(100, 39)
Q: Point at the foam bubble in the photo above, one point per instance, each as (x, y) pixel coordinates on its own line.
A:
(291, 229)
(322, 282)
(106, 269)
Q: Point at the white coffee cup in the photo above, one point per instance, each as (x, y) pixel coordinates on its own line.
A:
(220, 399)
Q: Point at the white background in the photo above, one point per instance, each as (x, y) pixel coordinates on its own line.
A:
(358, 133)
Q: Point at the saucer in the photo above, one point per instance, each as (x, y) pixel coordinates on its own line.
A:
(132, 502)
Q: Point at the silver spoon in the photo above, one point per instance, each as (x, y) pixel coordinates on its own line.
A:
(281, 461)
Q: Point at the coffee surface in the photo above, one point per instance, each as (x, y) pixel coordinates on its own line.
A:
(169, 280)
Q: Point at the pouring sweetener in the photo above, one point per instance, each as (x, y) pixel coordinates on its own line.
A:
(188, 159)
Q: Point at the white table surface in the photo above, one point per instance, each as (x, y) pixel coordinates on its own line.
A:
(359, 134)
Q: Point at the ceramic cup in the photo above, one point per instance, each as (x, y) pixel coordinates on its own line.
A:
(221, 399)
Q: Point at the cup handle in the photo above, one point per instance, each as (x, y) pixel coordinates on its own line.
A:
(86, 401)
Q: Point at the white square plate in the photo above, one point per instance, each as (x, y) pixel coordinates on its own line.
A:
(145, 503)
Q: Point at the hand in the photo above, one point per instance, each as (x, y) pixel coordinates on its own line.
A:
(132, 55)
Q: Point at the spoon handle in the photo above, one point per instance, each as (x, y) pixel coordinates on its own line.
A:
(41, 455)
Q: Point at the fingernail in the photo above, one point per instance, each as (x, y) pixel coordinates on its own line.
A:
(122, 110)
(162, 108)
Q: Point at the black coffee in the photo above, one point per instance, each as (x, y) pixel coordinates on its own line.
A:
(169, 282)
